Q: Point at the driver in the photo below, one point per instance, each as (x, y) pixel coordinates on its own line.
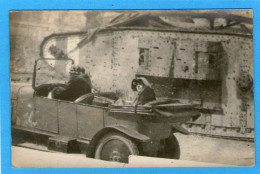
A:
(57, 93)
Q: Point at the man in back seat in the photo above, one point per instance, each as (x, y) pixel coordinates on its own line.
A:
(78, 85)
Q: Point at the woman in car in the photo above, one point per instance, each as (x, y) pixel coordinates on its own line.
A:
(145, 91)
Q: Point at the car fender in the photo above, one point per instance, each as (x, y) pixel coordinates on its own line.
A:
(119, 128)
(24, 111)
(23, 105)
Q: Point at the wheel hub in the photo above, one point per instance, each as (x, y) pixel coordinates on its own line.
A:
(115, 156)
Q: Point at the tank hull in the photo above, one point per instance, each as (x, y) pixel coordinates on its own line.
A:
(211, 69)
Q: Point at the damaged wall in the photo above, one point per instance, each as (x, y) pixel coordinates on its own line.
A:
(27, 31)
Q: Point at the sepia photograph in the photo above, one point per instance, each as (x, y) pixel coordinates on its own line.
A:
(132, 88)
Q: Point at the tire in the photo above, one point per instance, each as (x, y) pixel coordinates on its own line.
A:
(171, 148)
(115, 147)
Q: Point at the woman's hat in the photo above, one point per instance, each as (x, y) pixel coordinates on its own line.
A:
(138, 81)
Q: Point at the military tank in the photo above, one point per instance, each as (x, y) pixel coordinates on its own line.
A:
(208, 66)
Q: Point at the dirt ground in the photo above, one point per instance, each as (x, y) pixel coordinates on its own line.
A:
(216, 150)
(198, 149)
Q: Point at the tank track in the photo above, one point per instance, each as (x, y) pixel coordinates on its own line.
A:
(231, 133)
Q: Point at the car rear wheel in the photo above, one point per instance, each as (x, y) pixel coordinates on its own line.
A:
(116, 147)
(170, 148)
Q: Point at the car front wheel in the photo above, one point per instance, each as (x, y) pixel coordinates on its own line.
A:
(116, 147)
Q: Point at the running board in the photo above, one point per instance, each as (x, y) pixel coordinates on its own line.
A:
(63, 144)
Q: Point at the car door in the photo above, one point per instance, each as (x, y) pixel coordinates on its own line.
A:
(67, 119)
(46, 114)
(90, 119)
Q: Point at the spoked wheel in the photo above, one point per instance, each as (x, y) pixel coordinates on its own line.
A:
(170, 148)
(116, 147)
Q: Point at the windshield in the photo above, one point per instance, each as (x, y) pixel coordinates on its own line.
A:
(49, 71)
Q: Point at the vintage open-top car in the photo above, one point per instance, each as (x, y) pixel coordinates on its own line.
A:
(94, 123)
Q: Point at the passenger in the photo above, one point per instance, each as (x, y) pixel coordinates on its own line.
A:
(145, 91)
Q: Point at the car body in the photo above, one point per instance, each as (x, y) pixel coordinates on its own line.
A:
(84, 124)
